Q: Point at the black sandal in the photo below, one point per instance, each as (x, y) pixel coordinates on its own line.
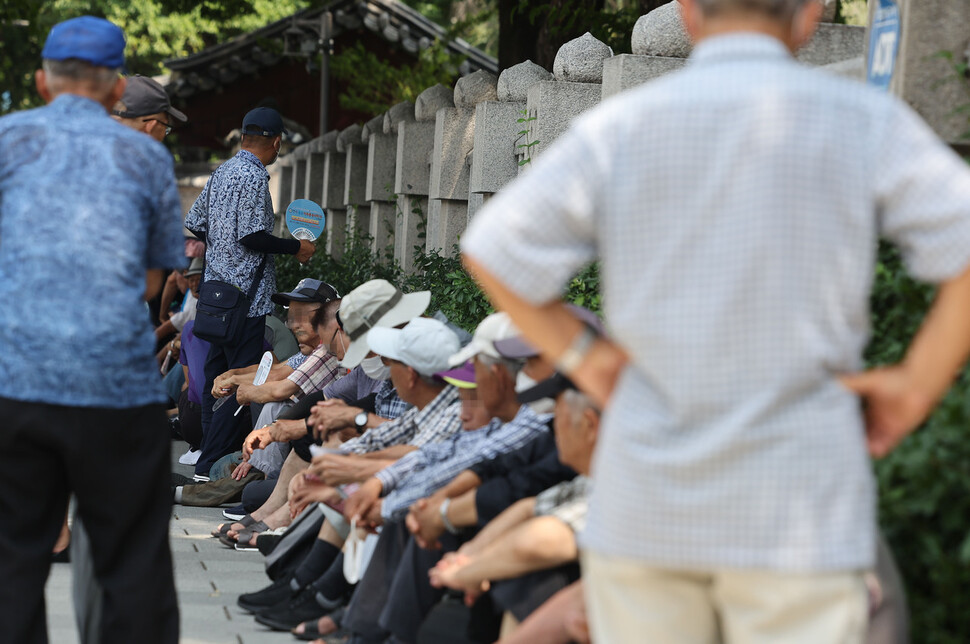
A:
(312, 632)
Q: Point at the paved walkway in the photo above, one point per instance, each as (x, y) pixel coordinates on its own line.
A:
(208, 577)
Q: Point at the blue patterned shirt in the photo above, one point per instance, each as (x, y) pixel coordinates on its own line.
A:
(240, 206)
(420, 473)
(87, 206)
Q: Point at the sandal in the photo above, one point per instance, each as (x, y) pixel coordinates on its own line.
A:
(311, 630)
(246, 534)
(224, 528)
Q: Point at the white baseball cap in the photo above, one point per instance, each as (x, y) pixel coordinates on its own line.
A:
(497, 326)
(425, 344)
(376, 303)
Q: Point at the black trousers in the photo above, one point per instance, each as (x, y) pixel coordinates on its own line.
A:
(116, 462)
(222, 432)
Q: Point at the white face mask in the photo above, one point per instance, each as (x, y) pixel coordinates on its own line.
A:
(375, 369)
(541, 406)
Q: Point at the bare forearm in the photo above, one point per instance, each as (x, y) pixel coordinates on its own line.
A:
(461, 484)
(538, 544)
(515, 514)
(153, 283)
(273, 391)
(462, 511)
(942, 344)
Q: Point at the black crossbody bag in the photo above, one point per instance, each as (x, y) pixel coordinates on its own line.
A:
(222, 308)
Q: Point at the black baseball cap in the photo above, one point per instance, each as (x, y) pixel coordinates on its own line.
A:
(144, 96)
(264, 121)
(308, 290)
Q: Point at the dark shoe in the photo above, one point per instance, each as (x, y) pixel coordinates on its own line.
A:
(300, 609)
(267, 542)
(178, 479)
(274, 594)
(235, 513)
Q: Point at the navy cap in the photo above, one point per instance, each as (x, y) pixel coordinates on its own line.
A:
(308, 290)
(93, 40)
(264, 121)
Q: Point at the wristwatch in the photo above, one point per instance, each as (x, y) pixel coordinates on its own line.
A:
(360, 421)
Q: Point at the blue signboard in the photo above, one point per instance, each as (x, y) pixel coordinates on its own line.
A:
(883, 43)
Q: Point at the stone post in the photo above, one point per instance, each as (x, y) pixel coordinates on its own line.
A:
(300, 156)
(285, 194)
(453, 142)
(578, 70)
(379, 189)
(355, 179)
(921, 76)
(497, 127)
(334, 177)
(415, 141)
(314, 171)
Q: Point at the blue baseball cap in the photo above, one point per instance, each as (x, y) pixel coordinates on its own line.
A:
(264, 121)
(93, 40)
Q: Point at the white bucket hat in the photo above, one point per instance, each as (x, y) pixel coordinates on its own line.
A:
(497, 326)
(376, 303)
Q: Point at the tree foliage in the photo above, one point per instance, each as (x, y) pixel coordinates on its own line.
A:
(374, 84)
(156, 30)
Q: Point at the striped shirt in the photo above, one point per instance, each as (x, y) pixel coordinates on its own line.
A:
(419, 474)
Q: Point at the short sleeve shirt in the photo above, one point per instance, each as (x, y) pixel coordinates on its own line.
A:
(317, 371)
(736, 207)
(87, 206)
(236, 203)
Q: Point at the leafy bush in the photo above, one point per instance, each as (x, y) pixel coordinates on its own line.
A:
(924, 485)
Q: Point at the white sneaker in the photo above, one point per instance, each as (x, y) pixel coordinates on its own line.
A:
(200, 478)
(191, 457)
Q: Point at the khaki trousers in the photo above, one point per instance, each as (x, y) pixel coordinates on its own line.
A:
(629, 601)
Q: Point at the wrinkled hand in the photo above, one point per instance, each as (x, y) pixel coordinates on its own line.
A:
(308, 492)
(336, 469)
(360, 503)
(446, 575)
(241, 470)
(222, 386)
(257, 439)
(306, 251)
(245, 393)
(329, 416)
(424, 522)
(895, 405)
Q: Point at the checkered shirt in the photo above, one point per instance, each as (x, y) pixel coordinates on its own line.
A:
(387, 404)
(316, 372)
(438, 420)
(419, 474)
(735, 207)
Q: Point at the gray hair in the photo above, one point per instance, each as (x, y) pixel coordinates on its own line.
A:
(781, 9)
(60, 73)
(513, 366)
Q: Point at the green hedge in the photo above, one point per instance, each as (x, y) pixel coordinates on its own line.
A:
(924, 502)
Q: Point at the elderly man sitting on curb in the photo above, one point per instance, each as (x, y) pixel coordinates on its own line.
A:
(414, 353)
(374, 303)
(536, 533)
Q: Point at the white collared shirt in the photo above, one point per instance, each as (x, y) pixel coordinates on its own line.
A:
(735, 207)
